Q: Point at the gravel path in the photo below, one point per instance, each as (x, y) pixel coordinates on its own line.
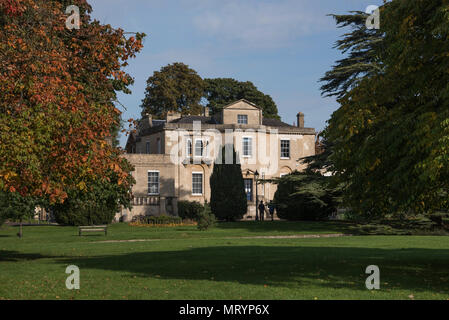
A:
(298, 236)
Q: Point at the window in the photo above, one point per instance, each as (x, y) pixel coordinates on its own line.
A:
(153, 182)
(247, 147)
(248, 189)
(198, 148)
(197, 183)
(147, 147)
(189, 148)
(159, 146)
(285, 148)
(242, 119)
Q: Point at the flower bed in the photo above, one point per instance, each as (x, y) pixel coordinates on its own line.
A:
(160, 221)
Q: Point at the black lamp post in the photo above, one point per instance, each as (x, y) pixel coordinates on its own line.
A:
(256, 175)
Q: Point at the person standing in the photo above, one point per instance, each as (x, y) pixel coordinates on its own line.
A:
(261, 210)
(271, 210)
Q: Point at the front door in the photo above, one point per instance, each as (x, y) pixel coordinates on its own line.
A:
(249, 189)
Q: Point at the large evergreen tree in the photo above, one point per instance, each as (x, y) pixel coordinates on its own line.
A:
(176, 87)
(390, 135)
(228, 198)
(362, 60)
(222, 91)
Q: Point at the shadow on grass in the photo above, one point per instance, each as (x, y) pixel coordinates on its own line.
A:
(289, 226)
(393, 227)
(285, 266)
(15, 256)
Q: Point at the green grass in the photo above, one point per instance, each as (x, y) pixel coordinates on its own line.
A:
(183, 263)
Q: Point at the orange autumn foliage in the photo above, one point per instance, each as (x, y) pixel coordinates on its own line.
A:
(57, 88)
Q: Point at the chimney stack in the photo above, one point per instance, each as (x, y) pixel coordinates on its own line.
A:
(150, 119)
(172, 115)
(300, 120)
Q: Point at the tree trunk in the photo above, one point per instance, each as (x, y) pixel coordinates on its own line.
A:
(20, 230)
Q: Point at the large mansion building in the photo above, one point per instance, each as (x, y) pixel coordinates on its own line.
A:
(174, 158)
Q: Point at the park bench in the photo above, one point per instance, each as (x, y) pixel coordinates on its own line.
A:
(93, 229)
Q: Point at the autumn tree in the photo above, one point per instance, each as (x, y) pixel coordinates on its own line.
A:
(222, 91)
(176, 87)
(57, 105)
(390, 135)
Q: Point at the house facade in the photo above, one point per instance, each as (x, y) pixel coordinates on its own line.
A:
(174, 158)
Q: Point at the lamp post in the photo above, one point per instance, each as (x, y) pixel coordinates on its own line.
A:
(256, 175)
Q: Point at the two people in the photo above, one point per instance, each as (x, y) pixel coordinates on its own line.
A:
(271, 208)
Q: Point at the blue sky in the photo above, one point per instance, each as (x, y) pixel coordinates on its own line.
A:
(282, 46)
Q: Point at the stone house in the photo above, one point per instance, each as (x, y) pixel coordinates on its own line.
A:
(173, 158)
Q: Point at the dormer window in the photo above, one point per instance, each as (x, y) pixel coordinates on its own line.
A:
(242, 119)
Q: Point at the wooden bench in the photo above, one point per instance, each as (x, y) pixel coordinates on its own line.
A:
(93, 229)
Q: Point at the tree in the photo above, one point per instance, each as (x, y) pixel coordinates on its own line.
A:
(17, 207)
(205, 218)
(175, 87)
(228, 198)
(98, 206)
(57, 104)
(362, 61)
(305, 196)
(391, 132)
(222, 91)
(319, 162)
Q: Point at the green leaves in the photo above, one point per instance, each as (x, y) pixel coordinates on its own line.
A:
(305, 196)
(389, 136)
(175, 87)
(222, 91)
(228, 198)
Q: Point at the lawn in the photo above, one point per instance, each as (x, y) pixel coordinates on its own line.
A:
(225, 262)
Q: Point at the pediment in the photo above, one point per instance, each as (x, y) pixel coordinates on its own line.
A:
(241, 105)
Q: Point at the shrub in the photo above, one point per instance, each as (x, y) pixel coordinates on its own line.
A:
(96, 204)
(228, 198)
(441, 219)
(303, 196)
(206, 219)
(189, 209)
(78, 212)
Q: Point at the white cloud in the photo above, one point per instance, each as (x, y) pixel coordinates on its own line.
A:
(257, 23)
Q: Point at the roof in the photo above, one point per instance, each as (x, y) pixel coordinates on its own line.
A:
(158, 122)
(210, 120)
(191, 119)
(275, 123)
